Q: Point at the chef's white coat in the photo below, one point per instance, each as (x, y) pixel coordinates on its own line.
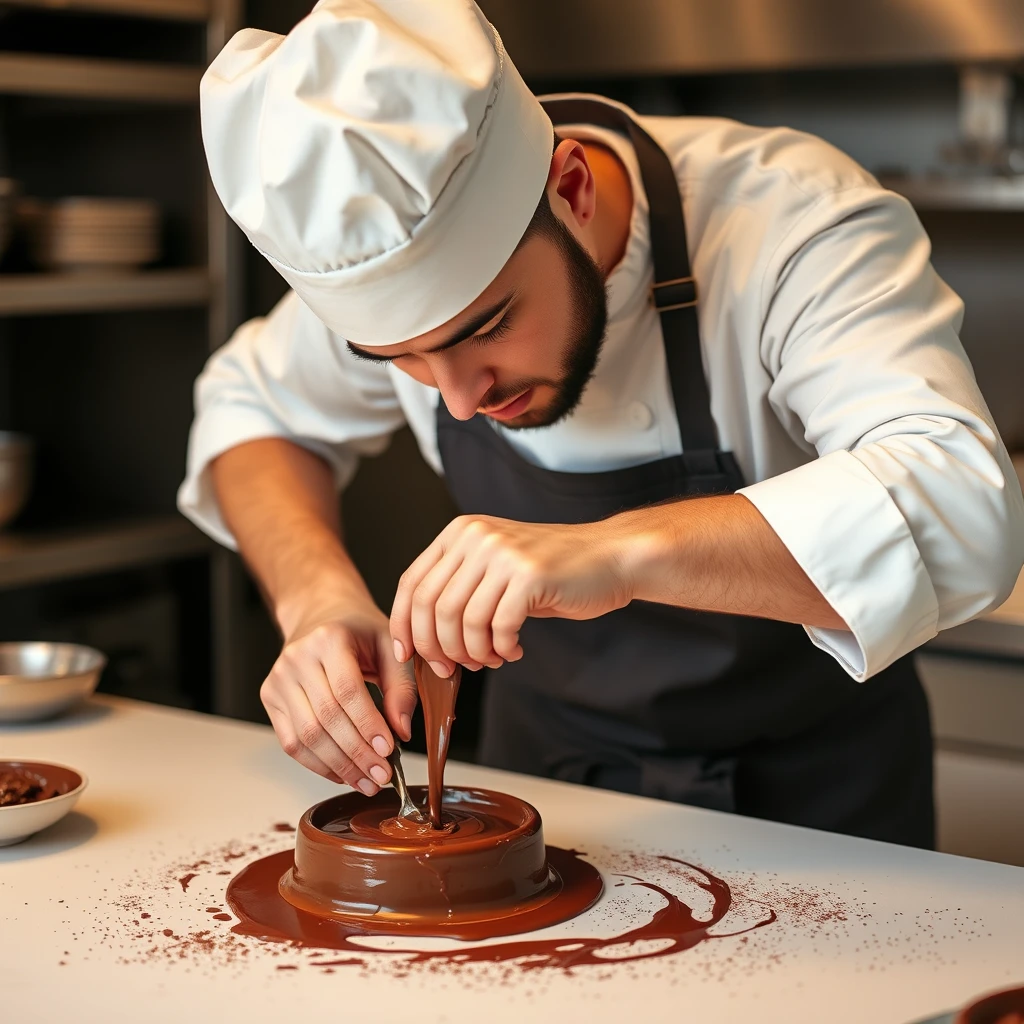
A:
(835, 370)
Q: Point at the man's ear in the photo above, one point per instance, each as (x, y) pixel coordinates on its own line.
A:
(572, 191)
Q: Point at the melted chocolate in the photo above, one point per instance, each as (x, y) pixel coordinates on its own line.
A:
(437, 696)
(26, 782)
(487, 866)
(254, 897)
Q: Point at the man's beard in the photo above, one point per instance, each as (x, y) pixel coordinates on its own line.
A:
(588, 323)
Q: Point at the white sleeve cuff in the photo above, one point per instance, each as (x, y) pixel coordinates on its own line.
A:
(215, 431)
(844, 530)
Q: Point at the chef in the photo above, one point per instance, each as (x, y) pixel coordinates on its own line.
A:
(695, 386)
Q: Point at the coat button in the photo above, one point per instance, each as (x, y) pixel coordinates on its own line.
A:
(640, 415)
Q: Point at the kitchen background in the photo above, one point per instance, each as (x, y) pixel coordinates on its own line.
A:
(98, 100)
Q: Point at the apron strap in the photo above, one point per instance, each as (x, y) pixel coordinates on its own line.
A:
(674, 293)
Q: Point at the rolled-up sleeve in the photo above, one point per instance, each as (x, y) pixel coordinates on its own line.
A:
(911, 519)
(285, 375)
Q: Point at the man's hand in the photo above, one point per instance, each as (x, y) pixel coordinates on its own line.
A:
(319, 705)
(464, 600)
(466, 597)
(280, 502)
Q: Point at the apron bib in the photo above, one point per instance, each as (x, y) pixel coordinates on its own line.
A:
(721, 711)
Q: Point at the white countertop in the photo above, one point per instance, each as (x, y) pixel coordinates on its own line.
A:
(865, 932)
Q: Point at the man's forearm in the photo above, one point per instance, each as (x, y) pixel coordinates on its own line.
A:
(719, 554)
(279, 501)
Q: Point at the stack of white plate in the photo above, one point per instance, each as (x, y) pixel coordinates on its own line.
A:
(92, 234)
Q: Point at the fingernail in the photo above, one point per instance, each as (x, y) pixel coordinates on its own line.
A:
(379, 775)
(381, 745)
(473, 666)
(406, 722)
(440, 669)
(366, 787)
(399, 651)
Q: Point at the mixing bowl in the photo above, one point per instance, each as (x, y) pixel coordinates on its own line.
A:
(39, 680)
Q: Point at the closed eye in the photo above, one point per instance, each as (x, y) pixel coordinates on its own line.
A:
(468, 333)
(498, 331)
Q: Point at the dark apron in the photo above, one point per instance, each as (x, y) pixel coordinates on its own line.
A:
(720, 711)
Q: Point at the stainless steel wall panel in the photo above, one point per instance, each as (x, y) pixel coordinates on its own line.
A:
(572, 38)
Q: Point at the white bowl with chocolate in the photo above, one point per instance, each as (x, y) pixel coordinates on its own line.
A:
(35, 795)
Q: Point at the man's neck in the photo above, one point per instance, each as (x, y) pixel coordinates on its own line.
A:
(614, 205)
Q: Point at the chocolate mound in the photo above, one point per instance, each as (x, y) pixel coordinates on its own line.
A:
(20, 786)
(28, 782)
(488, 865)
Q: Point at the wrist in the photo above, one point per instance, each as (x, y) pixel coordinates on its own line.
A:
(334, 591)
(648, 544)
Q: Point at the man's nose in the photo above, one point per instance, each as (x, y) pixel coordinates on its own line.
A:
(462, 393)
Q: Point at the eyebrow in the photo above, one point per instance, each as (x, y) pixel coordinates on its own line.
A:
(464, 333)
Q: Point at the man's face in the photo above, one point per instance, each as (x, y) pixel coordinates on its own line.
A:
(524, 351)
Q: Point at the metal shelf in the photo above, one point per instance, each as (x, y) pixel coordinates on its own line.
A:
(171, 10)
(45, 294)
(27, 558)
(966, 194)
(26, 74)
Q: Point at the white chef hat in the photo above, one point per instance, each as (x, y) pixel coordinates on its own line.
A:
(385, 157)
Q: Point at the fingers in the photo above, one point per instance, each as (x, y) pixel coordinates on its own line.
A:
(437, 609)
(448, 597)
(291, 746)
(344, 710)
(507, 620)
(317, 686)
(478, 620)
(401, 609)
(398, 686)
(302, 738)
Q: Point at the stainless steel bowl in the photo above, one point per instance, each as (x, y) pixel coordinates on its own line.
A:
(16, 451)
(39, 680)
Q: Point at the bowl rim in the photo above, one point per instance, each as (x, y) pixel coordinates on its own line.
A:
(99, 662)
(986, 1002)
(50, 800)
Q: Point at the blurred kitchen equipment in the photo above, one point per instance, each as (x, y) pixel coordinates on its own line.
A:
(594, 39)
(19, 821)
(985, 145)
(39, 680)
(80, 234)
(8, 192)
(16, 452)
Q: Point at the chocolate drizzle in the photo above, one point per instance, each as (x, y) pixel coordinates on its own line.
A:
(262, 913)
(437, 696)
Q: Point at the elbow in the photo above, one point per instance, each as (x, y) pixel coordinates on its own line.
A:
(1006, 574)
(1002, 568)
